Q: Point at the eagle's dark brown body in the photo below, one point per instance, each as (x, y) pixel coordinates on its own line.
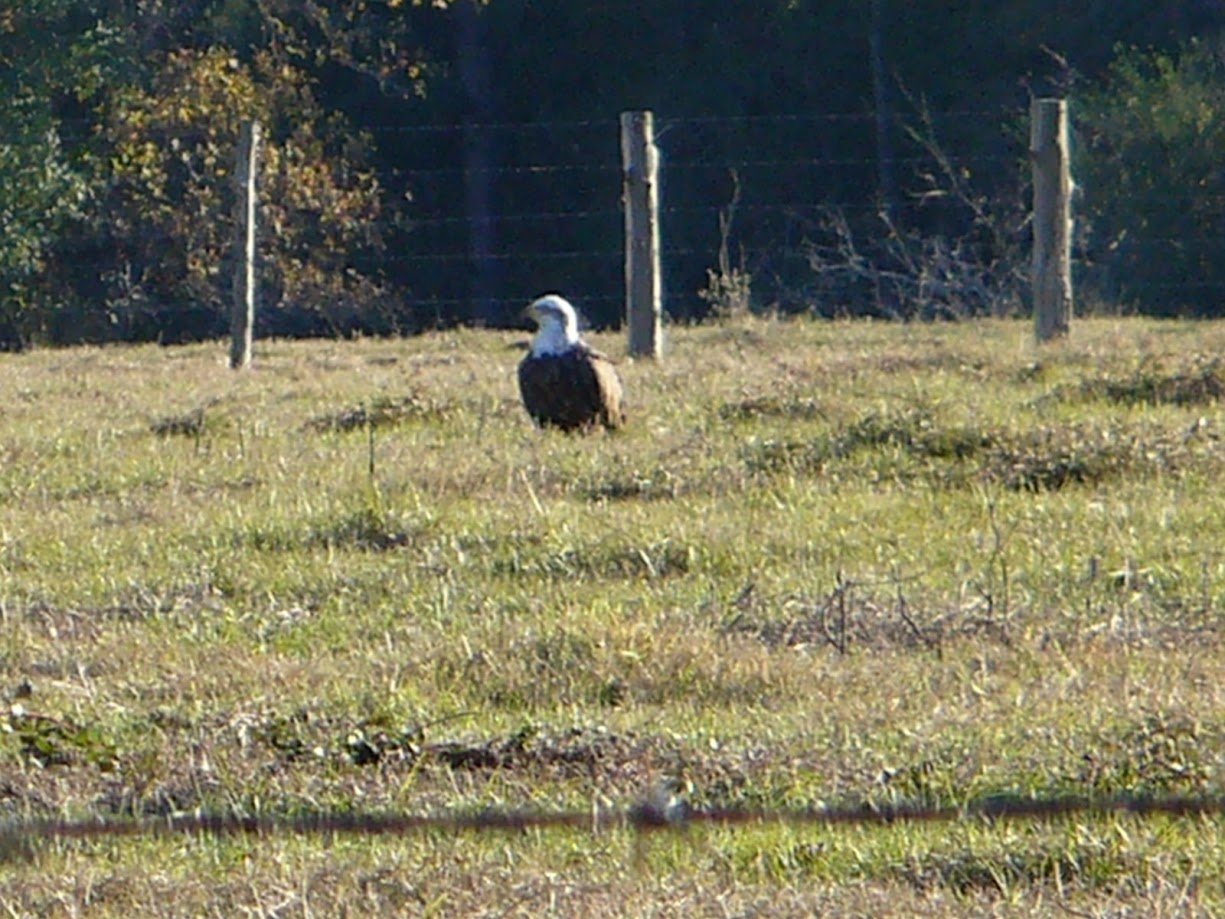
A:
(576, 390)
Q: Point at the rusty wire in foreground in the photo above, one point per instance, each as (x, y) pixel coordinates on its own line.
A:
(656, 812)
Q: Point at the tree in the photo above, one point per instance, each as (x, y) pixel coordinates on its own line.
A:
(1151, 135)
(116, 153)
(170, 200)
(43, 187)
(118, 137)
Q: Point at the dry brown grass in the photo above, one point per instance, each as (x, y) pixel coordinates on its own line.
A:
(825, 563)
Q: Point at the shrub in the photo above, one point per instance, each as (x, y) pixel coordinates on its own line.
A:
(1151, 139)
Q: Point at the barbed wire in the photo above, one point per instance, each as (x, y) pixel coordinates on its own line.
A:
(823, 162)
(518, 303)
(558, 255)
(553, 124)
(783, 252)
(578, 245)
(785, 209)
(524, 217)
(658, 811)
(803, 117)
(613, 167)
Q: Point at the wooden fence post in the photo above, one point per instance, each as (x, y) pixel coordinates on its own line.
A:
(1052, 218)
(242, 317)
(640, 166)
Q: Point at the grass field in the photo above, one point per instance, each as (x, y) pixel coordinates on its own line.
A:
(825, 563)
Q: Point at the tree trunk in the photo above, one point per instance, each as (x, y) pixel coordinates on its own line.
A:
(479, 160)
(886, 185)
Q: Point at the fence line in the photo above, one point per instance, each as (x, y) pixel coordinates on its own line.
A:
(611, 122)
(1052, 218)
(640, 198)
(579, 254)
(722, 164)
(533, 169)
(866, 117)
(242, 316)
(425, 255)
(763, 208)
(517, 302)
(510, 256)
(656, 812)
(688, 170)
(784, 210)
(825, 161)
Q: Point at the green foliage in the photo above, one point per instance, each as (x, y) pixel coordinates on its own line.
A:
(382, 411)
(1159, 754)
(43, 188)
(1152, 137)
(119, 124)
(42, 191)
(1200, 381)
(48, 741)
(171, 197)
(126, 228)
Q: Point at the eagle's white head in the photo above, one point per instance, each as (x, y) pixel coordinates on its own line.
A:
(558, 324)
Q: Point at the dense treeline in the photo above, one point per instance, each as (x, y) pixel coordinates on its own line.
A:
(117, 132)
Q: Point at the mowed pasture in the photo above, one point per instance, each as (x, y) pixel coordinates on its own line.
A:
(825, 563)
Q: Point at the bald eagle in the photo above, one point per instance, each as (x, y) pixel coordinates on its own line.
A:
(564, 382)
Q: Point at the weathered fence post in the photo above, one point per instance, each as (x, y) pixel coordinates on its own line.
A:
(242, 317)
(1052, 218)
(640, 166)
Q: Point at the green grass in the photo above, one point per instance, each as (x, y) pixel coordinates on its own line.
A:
(826, 563)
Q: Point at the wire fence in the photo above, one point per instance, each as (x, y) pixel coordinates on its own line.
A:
(480, 218)
(656, 812)
(757, 191)
(791, 169)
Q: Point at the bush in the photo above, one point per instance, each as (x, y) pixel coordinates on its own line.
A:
(160, 240)
(1151, 139)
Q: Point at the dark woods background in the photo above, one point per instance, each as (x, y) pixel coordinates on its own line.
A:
(433, 163)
